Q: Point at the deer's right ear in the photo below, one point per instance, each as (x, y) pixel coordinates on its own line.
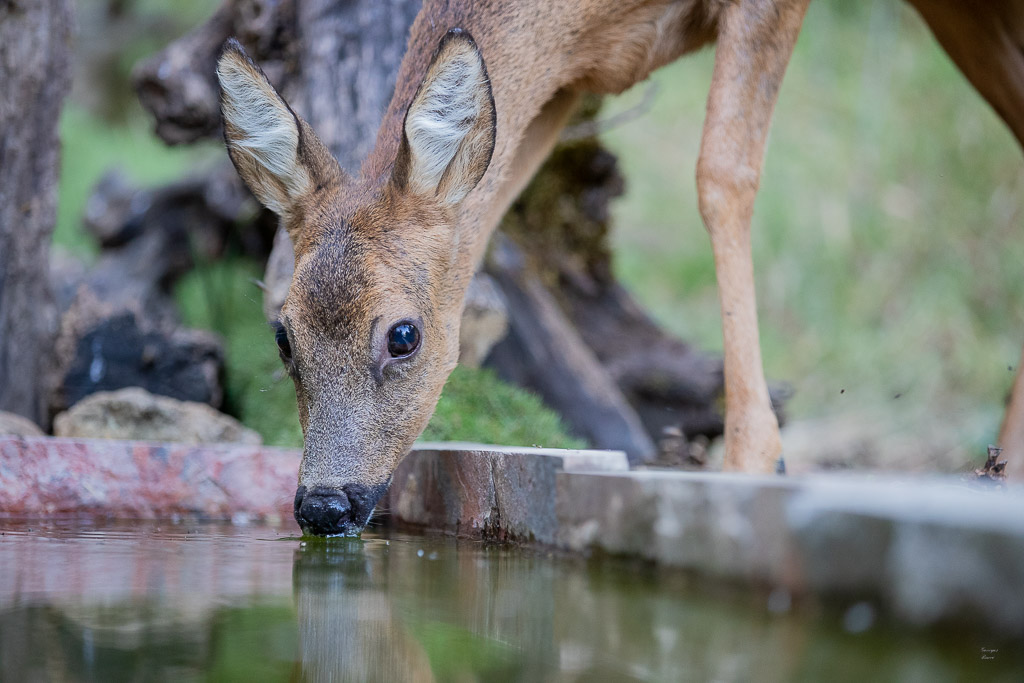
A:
(276, 153)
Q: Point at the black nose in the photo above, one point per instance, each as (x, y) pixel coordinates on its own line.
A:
(323, 512)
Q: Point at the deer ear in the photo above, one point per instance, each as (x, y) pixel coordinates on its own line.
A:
(275, 152)
(450, 126)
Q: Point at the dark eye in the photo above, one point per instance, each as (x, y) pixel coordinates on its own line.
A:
(403, 339)
(281, 337)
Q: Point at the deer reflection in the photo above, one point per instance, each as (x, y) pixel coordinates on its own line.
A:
(349, 629)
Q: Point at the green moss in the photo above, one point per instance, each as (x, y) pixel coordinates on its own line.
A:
(222, 297)
(477, 406)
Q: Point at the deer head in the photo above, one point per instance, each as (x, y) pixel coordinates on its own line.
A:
(369, 331)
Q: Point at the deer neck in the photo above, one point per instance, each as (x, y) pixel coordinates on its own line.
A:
(538, 54)
(521, 84)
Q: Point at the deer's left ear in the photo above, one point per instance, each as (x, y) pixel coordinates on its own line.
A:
(450, 126)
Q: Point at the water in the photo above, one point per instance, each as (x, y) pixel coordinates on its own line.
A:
(185, 602)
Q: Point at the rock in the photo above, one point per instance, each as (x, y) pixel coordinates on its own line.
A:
(104, 347)
(925, 551)
(484, 320)
(119, 325)
(42, 477)
(16, 425)
(134, 413)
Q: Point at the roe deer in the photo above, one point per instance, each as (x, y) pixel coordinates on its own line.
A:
(370, 328)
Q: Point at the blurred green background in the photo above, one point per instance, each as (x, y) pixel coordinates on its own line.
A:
(887, 235)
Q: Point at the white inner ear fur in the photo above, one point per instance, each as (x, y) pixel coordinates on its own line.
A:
(439, 119)
(265, 130)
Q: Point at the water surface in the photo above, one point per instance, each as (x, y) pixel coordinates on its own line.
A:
(189, 602)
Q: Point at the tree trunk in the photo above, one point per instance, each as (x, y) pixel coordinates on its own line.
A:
(576, 336)
(34, 47)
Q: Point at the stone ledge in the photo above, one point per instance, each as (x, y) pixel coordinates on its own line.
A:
(925, 549)
(491, 492)
(46, 476)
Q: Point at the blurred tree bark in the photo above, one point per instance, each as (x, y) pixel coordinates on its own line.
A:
(34, 52)
(576, 336)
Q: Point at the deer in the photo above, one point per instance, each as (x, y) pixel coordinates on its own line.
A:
(369, 331)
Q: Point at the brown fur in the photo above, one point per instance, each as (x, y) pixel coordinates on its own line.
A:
(370, 252)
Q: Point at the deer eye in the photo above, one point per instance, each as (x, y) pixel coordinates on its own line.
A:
(283, 345)
(403, 338)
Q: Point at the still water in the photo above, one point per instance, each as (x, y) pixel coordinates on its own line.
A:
(186, 602)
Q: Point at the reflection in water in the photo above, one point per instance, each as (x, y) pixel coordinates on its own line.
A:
(251, 604)
(409, 609)
(142, 602)
(348, 630)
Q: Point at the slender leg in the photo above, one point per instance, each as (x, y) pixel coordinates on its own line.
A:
(986, 40)
(755, 41)
(1011, 436)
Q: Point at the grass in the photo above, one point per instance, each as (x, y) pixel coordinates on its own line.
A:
(886, 233)
(222, 297)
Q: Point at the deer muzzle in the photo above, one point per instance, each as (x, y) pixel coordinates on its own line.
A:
(327, 511)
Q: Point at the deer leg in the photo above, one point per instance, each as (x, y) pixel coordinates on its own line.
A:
(986, 40)
(755, 41)
(1011, 435)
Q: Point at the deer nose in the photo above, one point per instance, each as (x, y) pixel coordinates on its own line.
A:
(323, 512)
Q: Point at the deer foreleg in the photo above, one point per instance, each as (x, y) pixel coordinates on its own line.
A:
(755, 41)
(1011, 436)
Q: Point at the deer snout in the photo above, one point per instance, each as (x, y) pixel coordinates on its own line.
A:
(322, 512)
(328, 511)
